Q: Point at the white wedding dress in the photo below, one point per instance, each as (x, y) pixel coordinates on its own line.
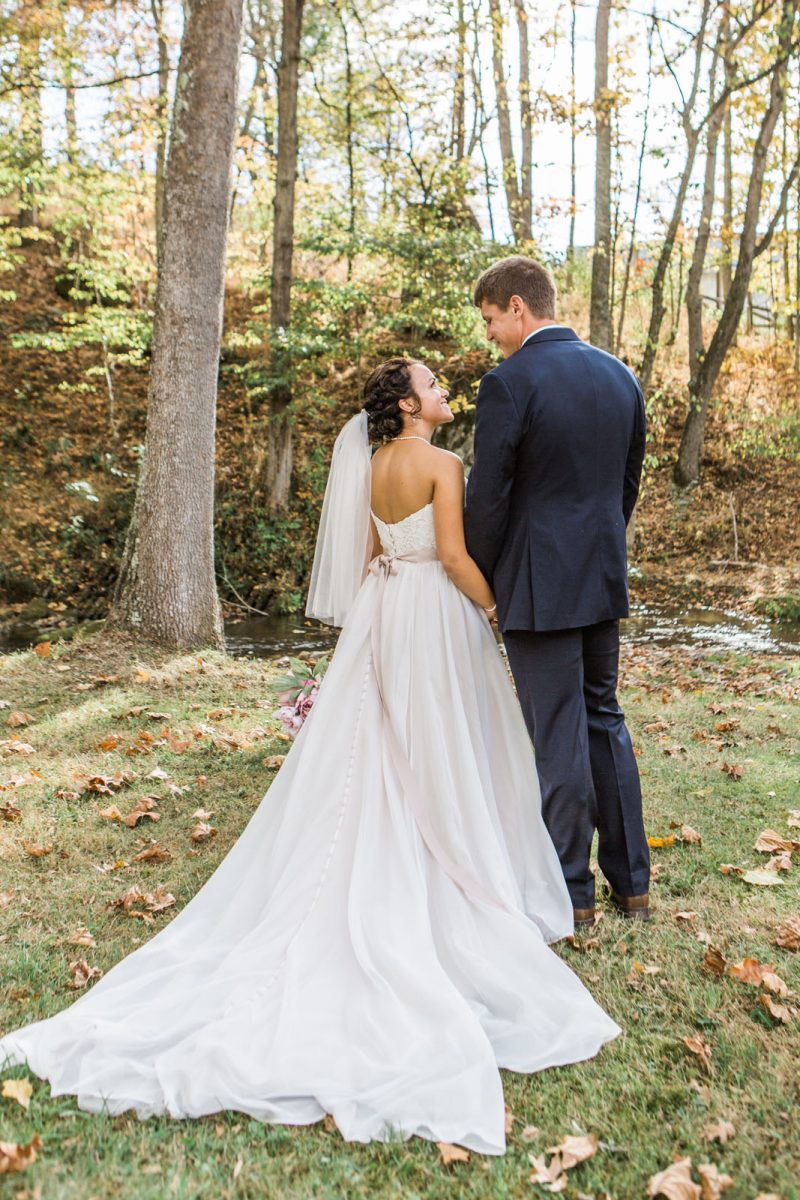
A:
(374, 946)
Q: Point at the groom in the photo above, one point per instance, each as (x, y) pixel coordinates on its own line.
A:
(559, 444)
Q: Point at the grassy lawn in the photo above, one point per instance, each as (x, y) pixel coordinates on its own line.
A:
(205, 725)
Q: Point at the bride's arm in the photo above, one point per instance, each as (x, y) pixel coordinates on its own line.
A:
(448, 516)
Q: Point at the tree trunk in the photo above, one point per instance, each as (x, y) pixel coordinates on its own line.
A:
(162, 103)
(166, 589)
(278, 472)
(626, 278)
(458, 132)
(526, 124)
(599, 312)
(573, 138)
(687, 468)
(726, 233)
(694, 280)
(510, 181)
(658, 308)
(70, 119)
(31, 134)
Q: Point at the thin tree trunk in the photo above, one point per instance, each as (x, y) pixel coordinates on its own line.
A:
(350, 148)
(626, 277)
(510, 181)
(599, 312)
(278, 474)
(70, 118)
(458, 134)
(785, 253)
(658, 307)
(687, 468)
(166, 589)
(694, 281)
(157, 9)
(32, 139)
(526, 124)
(573, 138)
(726, 235)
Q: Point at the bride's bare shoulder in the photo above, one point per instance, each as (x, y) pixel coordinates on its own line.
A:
(448, 454)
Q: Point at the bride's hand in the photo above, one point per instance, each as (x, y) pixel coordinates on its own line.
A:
(491, 613)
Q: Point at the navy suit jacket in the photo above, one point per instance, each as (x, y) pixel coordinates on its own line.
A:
(559, 445)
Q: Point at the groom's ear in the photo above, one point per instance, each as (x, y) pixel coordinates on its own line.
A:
(517, 305)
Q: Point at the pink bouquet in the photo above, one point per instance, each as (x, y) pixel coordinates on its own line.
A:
(297, 699)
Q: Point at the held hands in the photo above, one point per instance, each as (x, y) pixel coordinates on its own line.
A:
(491, 613)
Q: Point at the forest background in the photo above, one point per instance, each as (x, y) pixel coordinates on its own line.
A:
(383, 156)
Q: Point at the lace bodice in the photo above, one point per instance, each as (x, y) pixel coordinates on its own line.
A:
(414, 532)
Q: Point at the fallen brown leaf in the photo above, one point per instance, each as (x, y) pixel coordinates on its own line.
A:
(81, 973)
(136, 903)
(778, 1012)
(548, 1175)
(690, 836)
(14, 1157)
(36, 851)
(698, 1045)
(43, 649)
(787, 935)
(202, 831)
(529, 1133)
(450, 1154)
(109, 743)
(733, 770)
(719, 1131)
(779, 862)
(675, 1182)
(18, 1089)
(768, 842)
(154, 853)
(730, 869)
(17, 719)
(82, 937)
(750, 970)
(656, 842)
(686, 915)
(274, 762)
(712, 1184)
(575, 1149)
(714, 961)
(509, 1121)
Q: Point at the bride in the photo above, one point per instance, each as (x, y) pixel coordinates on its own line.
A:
(375, 945)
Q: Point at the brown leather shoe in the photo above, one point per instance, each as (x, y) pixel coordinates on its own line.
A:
(582, 918)
(634, 908)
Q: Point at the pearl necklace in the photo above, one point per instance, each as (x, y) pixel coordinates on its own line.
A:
(411, 437)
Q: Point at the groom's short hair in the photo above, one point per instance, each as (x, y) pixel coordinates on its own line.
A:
(518, 276)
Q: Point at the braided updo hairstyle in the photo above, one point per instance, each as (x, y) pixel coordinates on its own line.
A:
(386, 386)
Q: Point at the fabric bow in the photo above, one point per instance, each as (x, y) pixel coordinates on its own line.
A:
(383, 564)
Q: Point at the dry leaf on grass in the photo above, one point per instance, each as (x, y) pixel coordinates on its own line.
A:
(82, 937)
(274, 762)
(17, 719)
(779, 862)
(719, 1131)
(714, 961)
(529, 1133)
(43, 649)
(733, 770)
(779, 1012)
(19, 1090)
(656, 842)
(689, 836)
(5, 899)
(15, 746)
(787, 935)
(575, 1149)
(154, 853)
(450, 1154)
(36, 851)
(762, 878)
(686, 915)
(768, 842)
(142, 810)
(81, 973)
(793, 818)
(14, 1157)
(136, 903)
(548, 1176)
(675, 1182)
(730, 869)
(111, 742)
(638, 969)
(712, 1184)
(202, 831)
(10, 811)
(509, 1121)
(698, 1045)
